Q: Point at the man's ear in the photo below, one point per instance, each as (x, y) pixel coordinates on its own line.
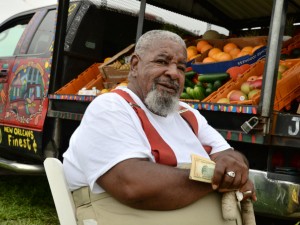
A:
(134, 60)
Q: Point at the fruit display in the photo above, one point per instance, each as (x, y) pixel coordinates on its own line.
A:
(217, 56)
(245, 88)
(120, 65)
(116, 69)
(247, 91)
(219, 50)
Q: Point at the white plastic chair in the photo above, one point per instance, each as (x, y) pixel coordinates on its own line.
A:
(61, 194)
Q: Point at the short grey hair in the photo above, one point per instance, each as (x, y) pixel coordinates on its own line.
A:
(150, 37)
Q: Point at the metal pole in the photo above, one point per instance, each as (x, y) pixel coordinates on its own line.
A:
(141, 20)
(57, 60)
(272, 58)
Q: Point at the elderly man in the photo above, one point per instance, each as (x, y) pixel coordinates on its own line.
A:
(122, 159)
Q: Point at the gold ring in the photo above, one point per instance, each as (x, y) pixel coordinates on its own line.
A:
(247, 193)
(231, 174)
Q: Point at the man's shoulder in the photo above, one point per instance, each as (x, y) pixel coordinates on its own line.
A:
(185, 105)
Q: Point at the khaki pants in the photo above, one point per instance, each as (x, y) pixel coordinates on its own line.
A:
(102, 209)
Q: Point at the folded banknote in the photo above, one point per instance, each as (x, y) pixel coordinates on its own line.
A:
(202, 169)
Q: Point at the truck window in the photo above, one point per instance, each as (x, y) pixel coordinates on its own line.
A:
(9, 39)
(44, 35)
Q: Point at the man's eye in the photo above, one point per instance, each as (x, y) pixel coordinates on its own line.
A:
(161, 61)
(182, 68)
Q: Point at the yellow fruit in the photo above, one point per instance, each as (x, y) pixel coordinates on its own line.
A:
(104, 90)
(107, 59)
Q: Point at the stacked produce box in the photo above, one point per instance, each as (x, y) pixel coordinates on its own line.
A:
(100, 78)
(230, 72)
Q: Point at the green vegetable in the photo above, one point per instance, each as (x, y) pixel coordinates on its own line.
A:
(212, 77)
(209, 85)
(208, 91)
(217, 84)
(190, 74)
(185, 95)
(188, 83)
(199, 84)
(199, 93)
(190, 92)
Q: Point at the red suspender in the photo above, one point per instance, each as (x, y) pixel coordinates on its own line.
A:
(161, 151)
(192, 121)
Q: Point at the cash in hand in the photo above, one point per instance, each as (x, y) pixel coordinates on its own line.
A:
(202, 169)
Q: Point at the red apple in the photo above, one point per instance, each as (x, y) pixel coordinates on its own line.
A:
(256, 84)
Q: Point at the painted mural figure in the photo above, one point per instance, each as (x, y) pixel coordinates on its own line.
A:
(26, 91)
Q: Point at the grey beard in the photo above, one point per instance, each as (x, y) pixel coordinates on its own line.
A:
(161, 103)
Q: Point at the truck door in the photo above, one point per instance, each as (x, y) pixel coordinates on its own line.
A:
(9, 38)
(27, 87)
(25, 63)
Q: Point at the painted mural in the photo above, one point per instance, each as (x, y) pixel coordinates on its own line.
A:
(2, 97)
(27, 90)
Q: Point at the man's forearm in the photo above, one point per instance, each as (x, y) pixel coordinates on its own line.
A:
(146, 185)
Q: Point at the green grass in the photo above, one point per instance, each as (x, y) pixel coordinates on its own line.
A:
(26, 200)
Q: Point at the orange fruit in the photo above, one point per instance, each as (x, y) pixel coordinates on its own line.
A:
(195, 56)
(242, 53)
(247, 49)
(234, 52)
(224, 56)
(213, 51)
(205, 48)
(229, 46)
(200, 44)
(217, 56)
(191, 51)
(255, 48)
(193, 48)
(209, 60)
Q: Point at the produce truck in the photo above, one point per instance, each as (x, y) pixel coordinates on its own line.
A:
(49, 56)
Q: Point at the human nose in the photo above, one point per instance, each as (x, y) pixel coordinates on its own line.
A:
(173, 71)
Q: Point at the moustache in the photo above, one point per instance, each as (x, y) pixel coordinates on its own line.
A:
(168, 83)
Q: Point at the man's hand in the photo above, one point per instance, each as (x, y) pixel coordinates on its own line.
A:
(231, 171)
(248, 191)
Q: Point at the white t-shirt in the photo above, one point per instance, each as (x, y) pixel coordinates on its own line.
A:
(111, 132)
